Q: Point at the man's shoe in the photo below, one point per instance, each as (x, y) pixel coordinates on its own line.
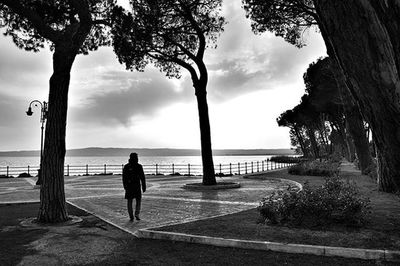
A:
(137, 217)
(131, 219)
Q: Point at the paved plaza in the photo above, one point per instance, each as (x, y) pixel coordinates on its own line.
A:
(165, 202)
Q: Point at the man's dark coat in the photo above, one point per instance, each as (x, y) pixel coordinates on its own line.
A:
(132, 178)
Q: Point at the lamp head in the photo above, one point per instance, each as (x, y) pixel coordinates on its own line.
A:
(29, 112)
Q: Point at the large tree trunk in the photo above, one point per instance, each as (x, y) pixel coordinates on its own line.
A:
(205, 136)
(365, 42)
(52, 197)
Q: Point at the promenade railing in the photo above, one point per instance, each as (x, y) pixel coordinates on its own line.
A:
(239, 168)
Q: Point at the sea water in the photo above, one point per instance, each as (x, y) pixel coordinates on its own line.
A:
(144, 160)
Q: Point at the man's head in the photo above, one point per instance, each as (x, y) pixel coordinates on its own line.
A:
(133, 157)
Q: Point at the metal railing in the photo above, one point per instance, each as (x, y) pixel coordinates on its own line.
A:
(151, 169)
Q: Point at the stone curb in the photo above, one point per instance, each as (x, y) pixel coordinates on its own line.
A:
(357, 253)
(19, 202)
(30, 222)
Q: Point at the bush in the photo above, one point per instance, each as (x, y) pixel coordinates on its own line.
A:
(24, 175)
(287, 159)
(222, 174)
(176, 173)
(334, 202)
(372, 170)
(315, 168)
(335, 157)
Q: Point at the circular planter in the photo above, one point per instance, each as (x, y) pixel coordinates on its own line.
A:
(219, 185)
(31, 222)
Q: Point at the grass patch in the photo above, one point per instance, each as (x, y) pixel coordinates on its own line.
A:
(287, 159)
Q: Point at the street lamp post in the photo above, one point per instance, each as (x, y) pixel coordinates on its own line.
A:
(43, 117)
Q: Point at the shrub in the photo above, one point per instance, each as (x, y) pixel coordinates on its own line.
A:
(176, 173)
(335, 157)
(222, 174)
(334, 202)
(24, 175)
(372, 170)
(315, 168)
(287, 159)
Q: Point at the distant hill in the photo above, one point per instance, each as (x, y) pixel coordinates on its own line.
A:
(94, 151)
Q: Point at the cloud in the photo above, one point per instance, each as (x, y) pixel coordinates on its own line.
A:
(22, 71)
(245, 62)
(124, 96)
(257, 69)
(11, 109)
(229, 79)
(15, 126)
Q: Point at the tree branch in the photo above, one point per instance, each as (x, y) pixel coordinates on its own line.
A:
(200, 33)
(181, 47)
(187, 66)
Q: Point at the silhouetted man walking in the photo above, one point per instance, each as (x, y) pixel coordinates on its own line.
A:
(133, 180)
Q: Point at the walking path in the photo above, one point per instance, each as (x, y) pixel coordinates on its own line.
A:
(165, 201)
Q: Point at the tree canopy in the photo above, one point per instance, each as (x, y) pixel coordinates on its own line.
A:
(31, 24)
(287, 19)
(169, 34)
(323, 89)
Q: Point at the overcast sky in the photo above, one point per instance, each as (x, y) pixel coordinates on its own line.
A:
(252, 80)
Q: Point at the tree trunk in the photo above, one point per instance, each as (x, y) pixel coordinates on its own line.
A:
(205, 136)
(313, 141)
(350, 145)
(354, 120)
(364, 37)
(356, 129)
(323, 134)
(52, 197)
(301, 141)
